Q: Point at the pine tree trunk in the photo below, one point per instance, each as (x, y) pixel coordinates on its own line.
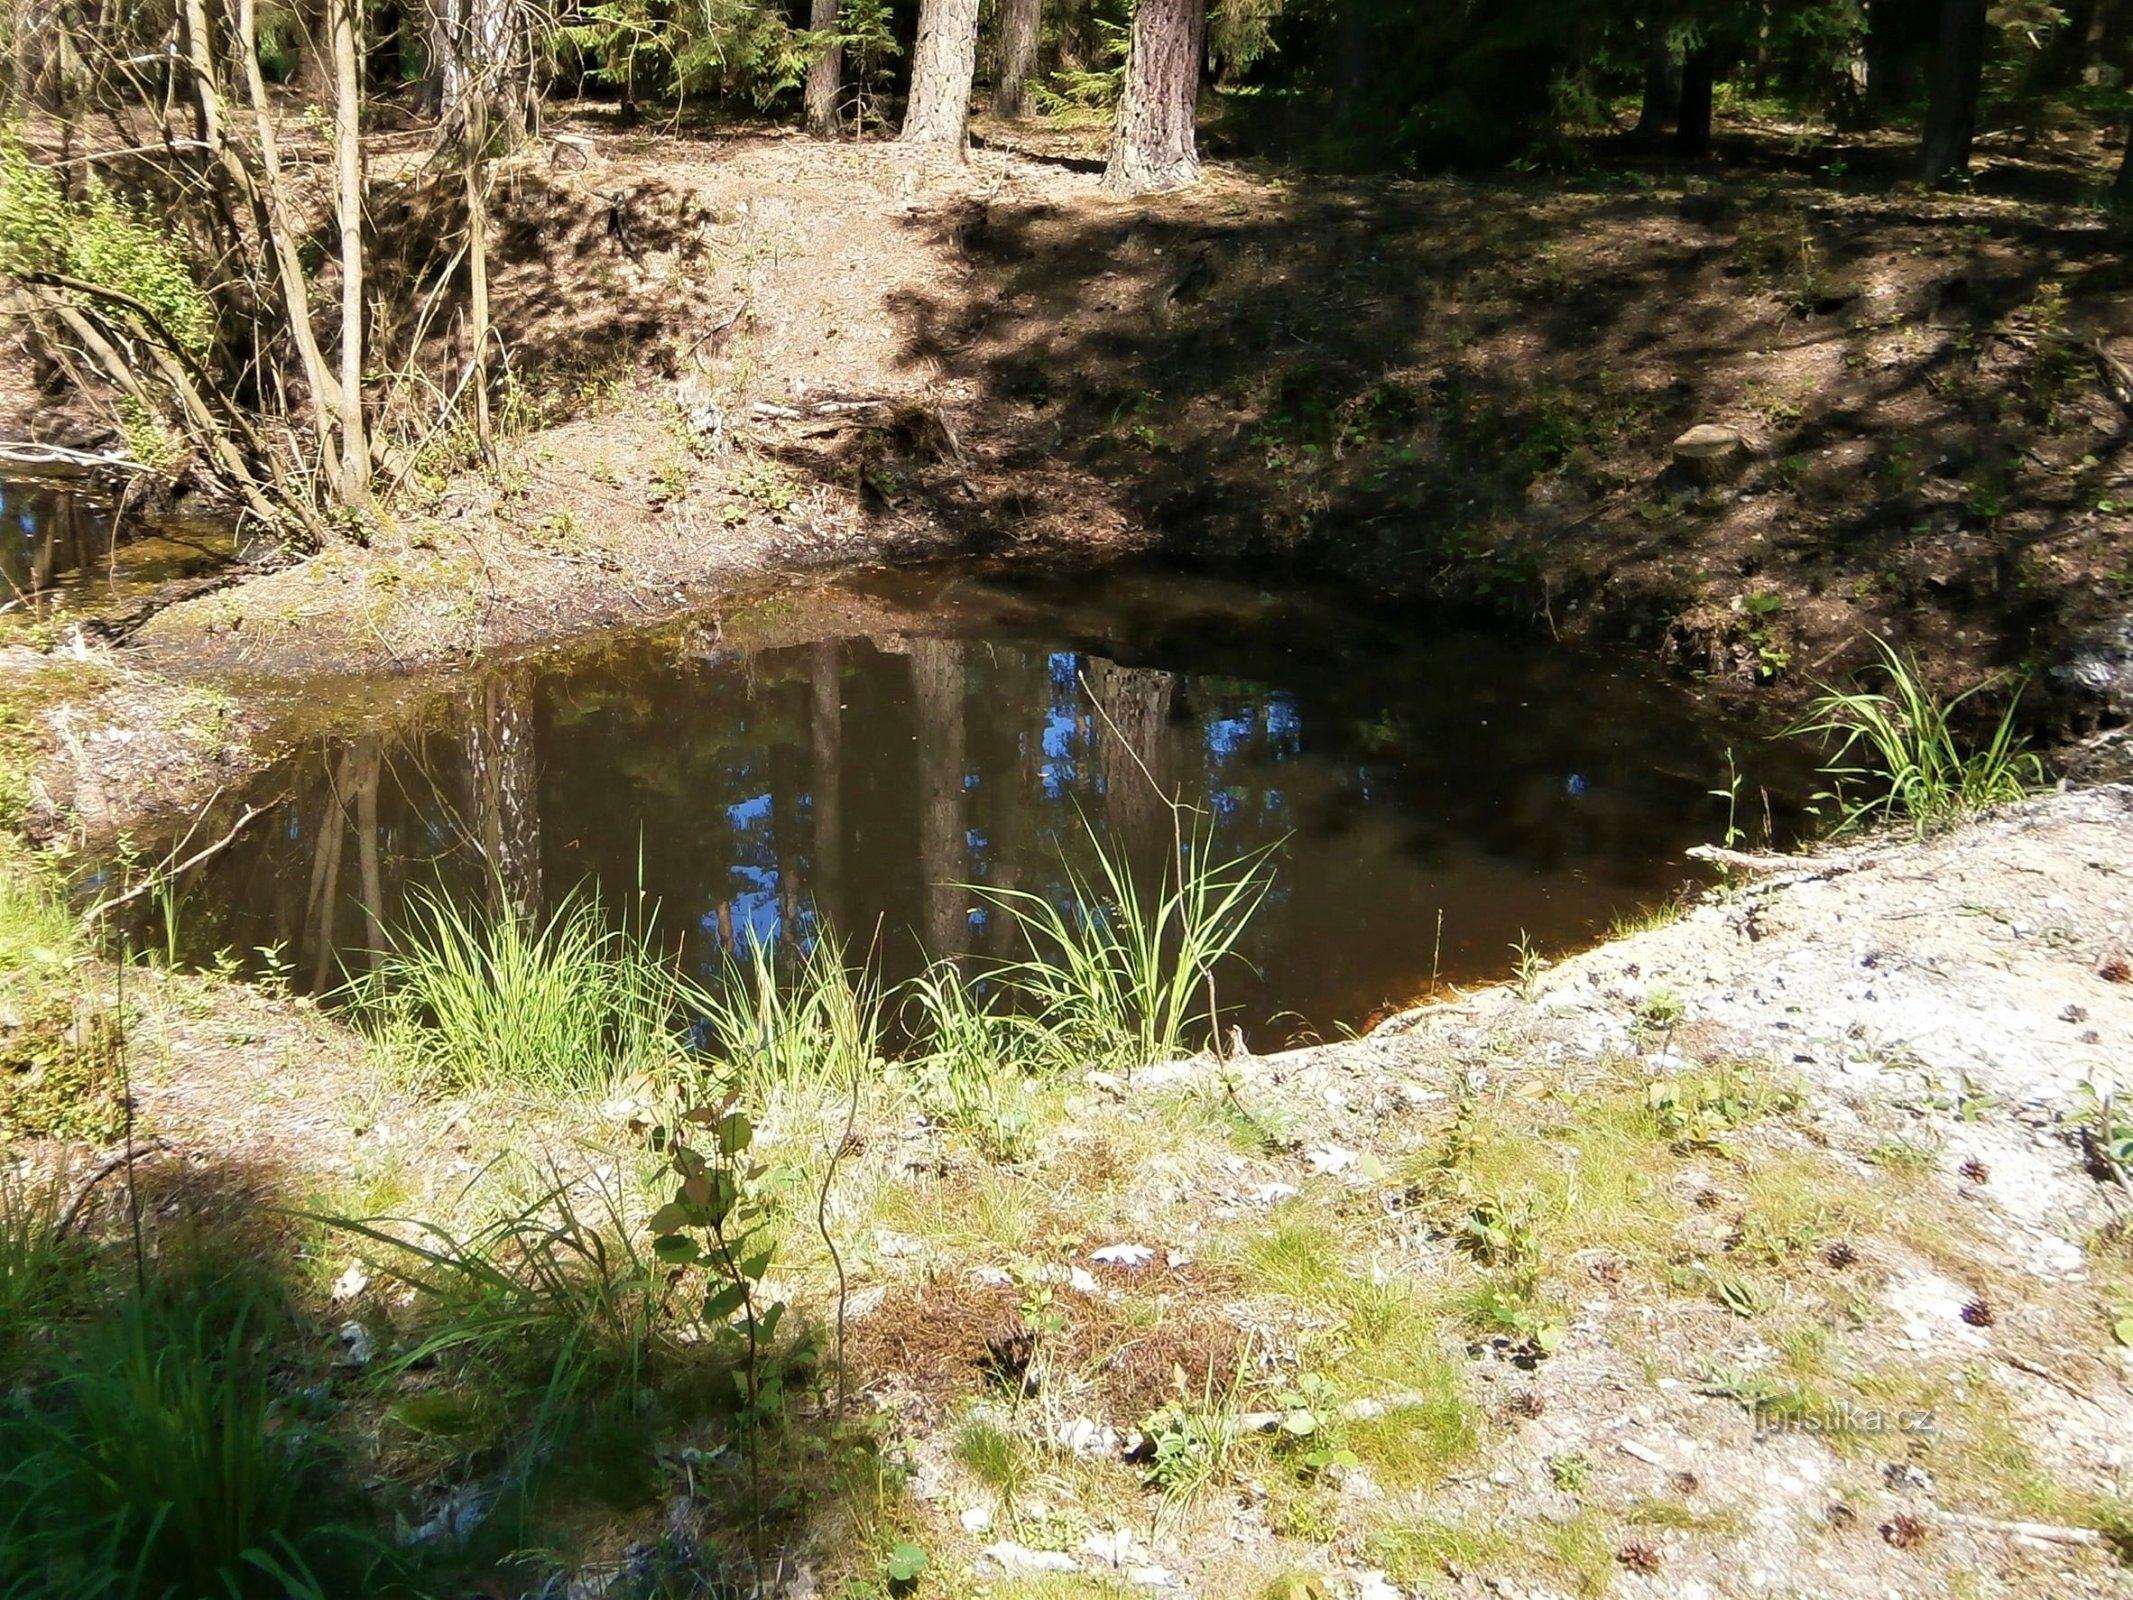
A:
(1152, 146)
(826, 730)
(1662, 81)
(1951, 114)
(2073, 46)
(942, 66)
(825, 79)
(1021, 26)
(1699, 80)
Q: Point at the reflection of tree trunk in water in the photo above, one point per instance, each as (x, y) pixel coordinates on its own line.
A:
(1132, 755)
(1024, 687)
(937, 693)
(326, 868)
(787, 777)
(369, 763)
(502, 791)
(827, 730)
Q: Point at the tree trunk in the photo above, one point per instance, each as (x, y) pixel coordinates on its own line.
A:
(825, 79)
(1951, 113)
(1897, 34)
(200, 57)
(1699, 80)
(826, 728)
(348, 214)
(942, 65)
(503, 801)
(1662, 81)
(1152, 146)
(937, 695)
(283, 237)
(369, 762)
(2074, 44)
(1021, 27)
(1132, 750)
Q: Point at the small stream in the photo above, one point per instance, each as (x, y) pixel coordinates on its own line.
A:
(853, 759)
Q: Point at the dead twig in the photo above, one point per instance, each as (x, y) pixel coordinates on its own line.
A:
(2045, 1532)
(98, 1173)
(111, 902)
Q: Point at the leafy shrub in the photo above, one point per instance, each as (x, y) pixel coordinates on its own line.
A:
(100, 239)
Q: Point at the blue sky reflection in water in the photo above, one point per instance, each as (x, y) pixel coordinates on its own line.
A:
(936, 730)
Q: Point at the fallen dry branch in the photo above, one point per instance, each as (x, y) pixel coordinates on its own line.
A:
(123, 1157)
(111, 902)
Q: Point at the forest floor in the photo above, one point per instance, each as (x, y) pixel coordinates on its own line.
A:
(743, 353)
(1770, 1250)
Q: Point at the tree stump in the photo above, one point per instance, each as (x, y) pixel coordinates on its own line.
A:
(1710, 454)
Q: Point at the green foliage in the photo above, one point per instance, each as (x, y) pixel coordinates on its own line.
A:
(59, 1073)
(1124, 974)
(1094, 88)
(967, 1064)
(738, 48)
(38, 1271)
(163, 1461)
(468, 1000)
(817, 1023)
(100, 239)
(720, 1224)
(866, 31)
(1898, 753)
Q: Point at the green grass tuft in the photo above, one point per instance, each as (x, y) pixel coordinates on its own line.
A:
(1898, 753)
(465, 1000)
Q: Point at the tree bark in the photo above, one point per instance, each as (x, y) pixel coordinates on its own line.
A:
(942, 66)
(503, 800)
(825, 79)
(1662, 81)
(1897, 32)
(1021, 26)
(200, 57)
(283, 237)
(348, 212)
(2074, 44)
(1152, 146)
(1132, 751)
(1951, 112)
(1699, 81)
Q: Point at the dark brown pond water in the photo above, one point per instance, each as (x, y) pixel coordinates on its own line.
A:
(854, 759)
(61, 540)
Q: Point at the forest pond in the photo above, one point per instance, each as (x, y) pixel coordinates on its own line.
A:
(858, 757)
(61, 538)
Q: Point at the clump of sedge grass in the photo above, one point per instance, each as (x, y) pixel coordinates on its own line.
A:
(1898, 753)
(1122, 974)
(467, 1000)
(162, 1460)
(816, 1022)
